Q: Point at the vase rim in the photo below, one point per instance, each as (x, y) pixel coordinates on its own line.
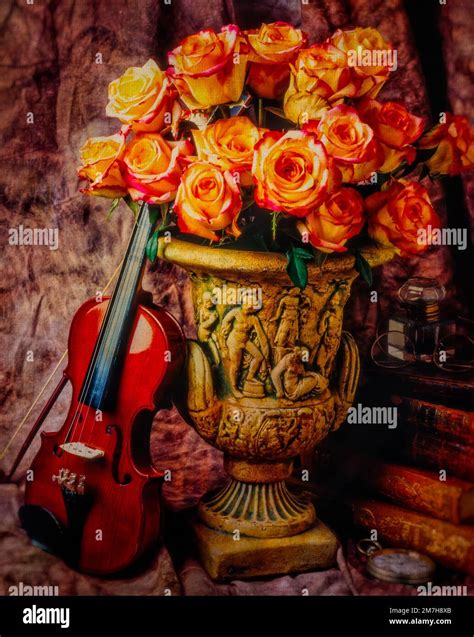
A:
(247, 262)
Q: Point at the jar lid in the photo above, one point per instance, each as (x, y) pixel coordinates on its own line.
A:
(422, 291)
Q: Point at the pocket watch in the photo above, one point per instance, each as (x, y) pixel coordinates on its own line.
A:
(403, 566)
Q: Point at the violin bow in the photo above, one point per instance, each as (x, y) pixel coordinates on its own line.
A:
(46, 409)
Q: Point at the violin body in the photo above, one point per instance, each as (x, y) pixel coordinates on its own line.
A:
(93, 481)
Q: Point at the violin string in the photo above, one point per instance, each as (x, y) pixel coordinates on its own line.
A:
(112, 320)
(91, 368)
(110, 327)
(119, 307)
(43, 388)
(87, 382)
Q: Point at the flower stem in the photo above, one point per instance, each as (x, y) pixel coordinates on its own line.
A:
(224, 111)
(275, 217)
(260, 112)
(164, 214)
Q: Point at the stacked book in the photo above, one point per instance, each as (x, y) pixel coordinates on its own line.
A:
(422, 498)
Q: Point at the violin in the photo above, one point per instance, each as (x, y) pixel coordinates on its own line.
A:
(92, 493)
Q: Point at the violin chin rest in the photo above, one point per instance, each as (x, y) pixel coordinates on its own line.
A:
(44, 529)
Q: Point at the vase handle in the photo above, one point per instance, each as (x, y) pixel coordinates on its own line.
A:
(348, 377)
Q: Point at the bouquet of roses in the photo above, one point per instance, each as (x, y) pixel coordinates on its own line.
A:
(254, 140)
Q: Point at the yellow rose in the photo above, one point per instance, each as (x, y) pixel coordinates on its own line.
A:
(292, 172)
(152, 167)
(338, 219)
(369, 57)
(100, 158)
(208, 200)
(229, 143)
(208, 68)
(300, 106)
(320, 73)
(350, 142)
(272, 48)
(141, 98)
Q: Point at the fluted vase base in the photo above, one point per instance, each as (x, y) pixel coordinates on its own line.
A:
(257, 525)
(265, 510)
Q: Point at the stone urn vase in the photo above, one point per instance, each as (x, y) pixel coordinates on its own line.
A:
(270, 375)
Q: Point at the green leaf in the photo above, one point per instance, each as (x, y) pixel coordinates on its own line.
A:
(133, 205)
(113, 205)
(297, 269)
(382, 178)
(424, 172)
(278, 112)
(319, 257)
(363, 268)
(154, 213)
(303, 253)
(423, 154)
(152, 246)
(186, 125)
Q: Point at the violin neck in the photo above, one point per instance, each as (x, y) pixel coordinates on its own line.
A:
(103, 375)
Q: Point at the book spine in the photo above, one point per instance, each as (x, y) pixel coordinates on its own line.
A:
(418, 492)
(457, 459)
(450, 545)
(453, 422)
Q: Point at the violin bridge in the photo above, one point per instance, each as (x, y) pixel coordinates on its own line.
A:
(82, 450)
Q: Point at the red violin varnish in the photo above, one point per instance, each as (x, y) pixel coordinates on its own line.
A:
(94, 493)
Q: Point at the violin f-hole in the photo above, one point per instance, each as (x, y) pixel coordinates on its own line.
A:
(127, 478)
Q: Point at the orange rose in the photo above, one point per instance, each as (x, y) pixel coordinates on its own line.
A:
(350, 142)
(141, 97)
(398, 214)
(391, 122)
(208, 200)
(338, 219)
(152, 167)
(369, 57)
(272, 48)
(209, 68)
(395, 128)
(292, 172)
(320, 75)
(229, 143)
(454, 146)
(100, 158)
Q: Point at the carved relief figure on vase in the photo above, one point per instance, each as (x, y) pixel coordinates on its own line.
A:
(246, 347)
(288, 316)
(206, 323)
(293, 381)
(329, 329)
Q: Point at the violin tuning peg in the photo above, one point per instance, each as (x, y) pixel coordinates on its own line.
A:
(81, 485)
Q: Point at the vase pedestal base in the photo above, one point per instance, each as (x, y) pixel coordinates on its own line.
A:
(226, 558)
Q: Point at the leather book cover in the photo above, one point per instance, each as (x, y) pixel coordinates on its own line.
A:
(424, 491)
(448, 544)
(455, 423)
(430, 450)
